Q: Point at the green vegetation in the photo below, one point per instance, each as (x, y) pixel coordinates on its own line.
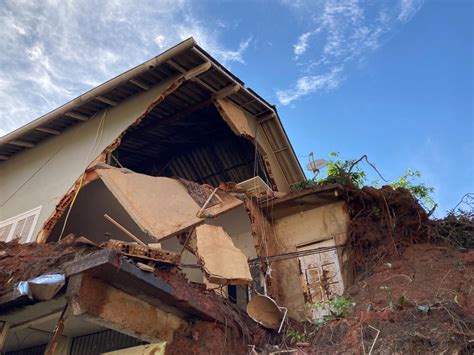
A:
(349, 173)
(344, 172)
(296, 336)
(420, 190)
(395, 303)
(337, 308)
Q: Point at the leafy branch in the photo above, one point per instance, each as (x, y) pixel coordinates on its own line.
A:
(349, 173)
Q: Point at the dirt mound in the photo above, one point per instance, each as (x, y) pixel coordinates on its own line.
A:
(201, 337)
(383, 222)
(419, 302)
(414, 277)
(423, 274)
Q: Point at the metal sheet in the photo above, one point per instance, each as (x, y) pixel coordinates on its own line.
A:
(97, 343)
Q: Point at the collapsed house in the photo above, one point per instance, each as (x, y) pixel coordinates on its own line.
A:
(164, 189)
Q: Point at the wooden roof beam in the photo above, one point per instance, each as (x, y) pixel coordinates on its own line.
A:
(227, 91)
(179, 68)
(106, 101)
(22, 144)
(77, 116)
(48, 130)
(196, 71)
(266, 117)
(140, 84)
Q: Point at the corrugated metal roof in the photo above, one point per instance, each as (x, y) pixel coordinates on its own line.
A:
(177, 60)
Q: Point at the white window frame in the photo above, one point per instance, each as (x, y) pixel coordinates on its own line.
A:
(14, 220)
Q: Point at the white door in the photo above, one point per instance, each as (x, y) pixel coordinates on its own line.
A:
(321, 273)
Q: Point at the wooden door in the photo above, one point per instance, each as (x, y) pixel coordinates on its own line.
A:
(321, 272)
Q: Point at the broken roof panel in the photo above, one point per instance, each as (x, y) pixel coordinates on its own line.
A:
(162, 207)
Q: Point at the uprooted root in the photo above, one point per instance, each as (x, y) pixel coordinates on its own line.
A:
(456, 229)
(383, 222)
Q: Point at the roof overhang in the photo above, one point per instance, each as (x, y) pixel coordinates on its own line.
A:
(300, 201)
(187, 59)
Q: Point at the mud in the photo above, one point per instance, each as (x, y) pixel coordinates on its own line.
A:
(383, 222)
(201, 337)
(418, 302)
(21, 262)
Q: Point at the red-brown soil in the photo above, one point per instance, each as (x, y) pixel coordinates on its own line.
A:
(419, 302)
(21, 262)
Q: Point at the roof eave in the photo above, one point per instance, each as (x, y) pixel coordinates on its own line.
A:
(99, 90)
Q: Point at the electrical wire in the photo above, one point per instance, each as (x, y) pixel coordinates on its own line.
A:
(295, 254)
(95, 145)
(32, 176)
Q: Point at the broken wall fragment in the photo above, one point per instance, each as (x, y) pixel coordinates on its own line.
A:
(152, 208)
(223, 263)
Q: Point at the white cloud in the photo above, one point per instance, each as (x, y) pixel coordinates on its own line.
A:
(160, 40)
(52, 51)
(309, 84)
(302, 45)
(344, 31)
(234, 56)
(408, 8)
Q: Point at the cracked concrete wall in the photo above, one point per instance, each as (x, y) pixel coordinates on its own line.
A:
(43, 175)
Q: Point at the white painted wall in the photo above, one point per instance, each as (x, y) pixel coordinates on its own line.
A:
(42, 176)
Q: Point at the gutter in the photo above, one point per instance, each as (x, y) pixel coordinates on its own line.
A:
(101, 89)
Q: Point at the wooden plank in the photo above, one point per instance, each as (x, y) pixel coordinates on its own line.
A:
(77, 116)
(140, 84)
(123, 229)
(57, 333)
(48, 130)
(22, 144)
(106, 101)
(3, 336)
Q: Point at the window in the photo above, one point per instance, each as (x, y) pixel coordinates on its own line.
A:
(20, 226)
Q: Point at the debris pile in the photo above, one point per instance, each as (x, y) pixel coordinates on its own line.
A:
(456, 229)
(20, 262)
(383, 222)
(413, 281)
(419, 302)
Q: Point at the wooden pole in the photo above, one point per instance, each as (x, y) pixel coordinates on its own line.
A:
(123, 229)
(207, 202)
(58, 331)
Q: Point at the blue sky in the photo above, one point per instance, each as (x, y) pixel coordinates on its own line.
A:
(390, 79)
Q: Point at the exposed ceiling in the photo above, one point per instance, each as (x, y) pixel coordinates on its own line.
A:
(196, 92)
(198, 147)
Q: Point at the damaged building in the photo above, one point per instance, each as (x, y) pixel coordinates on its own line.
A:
(141, 203)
